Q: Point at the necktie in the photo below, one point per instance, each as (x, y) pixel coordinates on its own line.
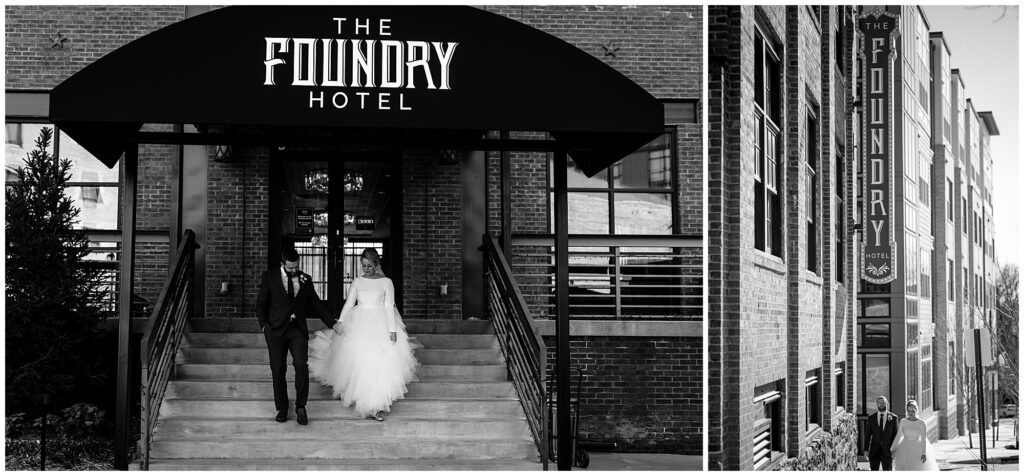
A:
(881, 422)
(291, 288)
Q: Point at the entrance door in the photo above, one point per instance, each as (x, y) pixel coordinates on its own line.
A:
(329, 207)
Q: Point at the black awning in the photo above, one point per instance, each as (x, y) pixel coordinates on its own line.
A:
(434, 68)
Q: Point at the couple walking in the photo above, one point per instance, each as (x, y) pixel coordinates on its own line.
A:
(364, 355)
(902, 446)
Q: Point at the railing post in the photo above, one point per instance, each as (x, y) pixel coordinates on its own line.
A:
(617, 277)
(562, 314)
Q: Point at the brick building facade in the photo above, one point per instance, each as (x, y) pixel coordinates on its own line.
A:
(786, 91)
(781, 176)
(642, 384)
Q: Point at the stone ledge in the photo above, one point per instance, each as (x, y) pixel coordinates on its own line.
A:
(627, 328)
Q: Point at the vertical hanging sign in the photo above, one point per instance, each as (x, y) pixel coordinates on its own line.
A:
(879, 30)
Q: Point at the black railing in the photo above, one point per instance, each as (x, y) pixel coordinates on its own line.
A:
(164, 332)
(520, 341)
(615, 277)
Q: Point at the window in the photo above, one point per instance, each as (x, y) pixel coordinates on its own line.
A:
(811, 189)
(913, 334)
(874, 307)
(770, 426)
(951, 358)
(926, 377)
(93, 187)
(767, 169)
(873, 336)
(13, 136)
(913, 268)
(913, 376)
(840, 383)
(635, 198)
(840, 217)
(951, 279)
(949, 200)
(874, 380)
(926, 274)
(812, 394)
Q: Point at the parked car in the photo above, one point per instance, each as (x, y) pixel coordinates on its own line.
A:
(1007, 410)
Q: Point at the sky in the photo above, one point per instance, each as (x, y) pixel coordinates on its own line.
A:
(984, 45)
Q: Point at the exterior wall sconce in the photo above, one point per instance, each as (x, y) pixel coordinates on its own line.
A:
(444, 289)
(225, 288)
(449, 156)
(222, 153)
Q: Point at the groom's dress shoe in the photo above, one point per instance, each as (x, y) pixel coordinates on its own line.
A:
(300, 413)
(282, 416)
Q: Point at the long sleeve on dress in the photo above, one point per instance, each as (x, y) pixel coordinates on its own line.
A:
(353, 295)
(389, 305)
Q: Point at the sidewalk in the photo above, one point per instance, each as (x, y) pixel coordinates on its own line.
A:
(642, 462)
(957, 455)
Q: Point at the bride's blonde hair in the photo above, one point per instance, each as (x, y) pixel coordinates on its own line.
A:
(913, 403)
(372, 255)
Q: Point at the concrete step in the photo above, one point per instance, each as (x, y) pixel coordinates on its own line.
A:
(391, 447)
(262, 372)
(249, 355)
(413, 326)
(462, 409)
(255, 340)
(256, 389)
(344, 465)
(342, 429)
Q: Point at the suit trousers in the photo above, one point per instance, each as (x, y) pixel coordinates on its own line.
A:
(294, 342)
(874, 462)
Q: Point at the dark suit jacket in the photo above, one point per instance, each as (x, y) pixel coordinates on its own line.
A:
(880, 438)
(274, 309)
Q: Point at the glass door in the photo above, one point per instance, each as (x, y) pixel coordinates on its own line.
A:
(331, 206)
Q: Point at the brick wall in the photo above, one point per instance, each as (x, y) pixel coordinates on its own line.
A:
(88, 33)
(643, 393)
(658, 46)
(237, 232)
(432, 224)
(758, 335)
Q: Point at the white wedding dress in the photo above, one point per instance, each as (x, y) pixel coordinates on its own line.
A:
(361, 363)
(912, 442)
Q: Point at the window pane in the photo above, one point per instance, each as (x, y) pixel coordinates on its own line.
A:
(875, 381)
(97, 206)
(875, 307)
(874, 335)
(588, 213)
(642, 214)
(648, 167)
(84, 166)
(20, 141)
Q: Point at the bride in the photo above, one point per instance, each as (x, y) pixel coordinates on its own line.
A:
(910, 450)
(367, 359)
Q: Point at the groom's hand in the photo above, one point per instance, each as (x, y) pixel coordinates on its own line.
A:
(924, 458)
(394, 337)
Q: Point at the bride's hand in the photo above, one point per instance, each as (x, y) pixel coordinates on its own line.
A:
(337, 328)
(394, 337)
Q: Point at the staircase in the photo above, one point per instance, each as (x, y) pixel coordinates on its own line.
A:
(462, 414)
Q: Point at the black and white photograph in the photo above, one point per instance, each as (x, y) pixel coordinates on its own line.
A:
(354, 237)
(863, 237)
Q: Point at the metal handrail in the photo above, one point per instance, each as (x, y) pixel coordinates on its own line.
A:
(614, 277)
(520, 342)
(164, 332)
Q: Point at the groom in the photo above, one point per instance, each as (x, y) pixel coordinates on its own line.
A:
(285, 300)
(882, 426)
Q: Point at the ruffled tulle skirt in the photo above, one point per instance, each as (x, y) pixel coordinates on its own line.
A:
(361, 364)
(907, 457)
